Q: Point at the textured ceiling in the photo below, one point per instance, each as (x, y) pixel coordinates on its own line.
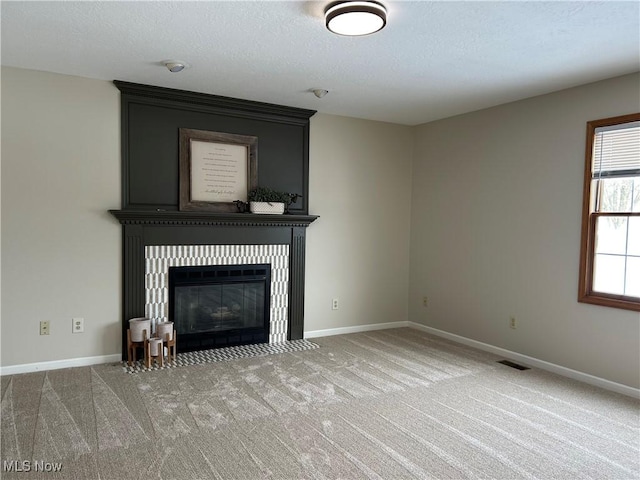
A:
(433, 60)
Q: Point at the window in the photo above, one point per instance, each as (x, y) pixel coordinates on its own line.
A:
(610, 250)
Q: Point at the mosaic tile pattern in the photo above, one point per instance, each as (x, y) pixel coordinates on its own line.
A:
(224, 354)
(158, 259)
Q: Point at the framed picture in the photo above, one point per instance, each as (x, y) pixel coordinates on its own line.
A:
(216, 169)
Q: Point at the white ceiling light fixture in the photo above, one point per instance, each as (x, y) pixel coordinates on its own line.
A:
(320, 92)
(355, 18)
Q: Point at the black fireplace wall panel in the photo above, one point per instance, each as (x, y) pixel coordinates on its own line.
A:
(152, 117)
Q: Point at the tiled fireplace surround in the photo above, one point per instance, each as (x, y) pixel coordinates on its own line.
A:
(158, 259)
(155, 240)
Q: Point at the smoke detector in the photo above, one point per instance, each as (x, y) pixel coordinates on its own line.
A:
(175, 66)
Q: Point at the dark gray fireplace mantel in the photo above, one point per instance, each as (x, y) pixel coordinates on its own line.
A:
(146, 228)
(165, 217)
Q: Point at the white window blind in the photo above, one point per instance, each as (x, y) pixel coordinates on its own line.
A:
(616, 151)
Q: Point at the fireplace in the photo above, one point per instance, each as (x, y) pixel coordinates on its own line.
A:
(155, 241)
(216, 306)
(157, 235)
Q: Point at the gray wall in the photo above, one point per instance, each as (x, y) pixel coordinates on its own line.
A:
(358, 251)
(60, 247)
(489, 202)
(496, 215)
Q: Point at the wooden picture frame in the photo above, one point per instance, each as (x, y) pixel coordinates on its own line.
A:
(216, 169)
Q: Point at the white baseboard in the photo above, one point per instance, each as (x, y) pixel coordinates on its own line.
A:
(57, 364)
(532, 362)
(357, 329)
(525, 359)
(83, 362)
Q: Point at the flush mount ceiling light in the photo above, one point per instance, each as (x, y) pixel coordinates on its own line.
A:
(355, 18)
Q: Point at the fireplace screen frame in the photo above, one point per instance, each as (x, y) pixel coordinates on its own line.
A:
(220, 275)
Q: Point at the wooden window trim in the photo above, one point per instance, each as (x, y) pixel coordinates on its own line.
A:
(587, 244)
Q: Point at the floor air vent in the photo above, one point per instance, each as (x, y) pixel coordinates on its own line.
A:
(513, 365)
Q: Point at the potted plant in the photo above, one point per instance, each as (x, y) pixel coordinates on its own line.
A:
(269, 201)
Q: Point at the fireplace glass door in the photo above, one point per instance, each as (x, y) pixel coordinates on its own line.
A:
(220, 305)
(226, 306)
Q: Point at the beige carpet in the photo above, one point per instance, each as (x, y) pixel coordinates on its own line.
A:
(390, 404)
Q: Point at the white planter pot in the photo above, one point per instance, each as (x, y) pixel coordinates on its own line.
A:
(162, 328)
(140, 329)
(155, 347)
(266, 207)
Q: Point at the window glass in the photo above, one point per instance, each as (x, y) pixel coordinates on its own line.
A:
(633, 277)
(608, 274)
(633, 243)
(611, 235)
(617, 194)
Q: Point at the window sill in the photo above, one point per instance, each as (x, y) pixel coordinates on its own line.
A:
(614, 301)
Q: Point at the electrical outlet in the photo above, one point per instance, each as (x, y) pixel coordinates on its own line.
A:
(44, 328)
(512, 322)
(334, 304)
(424, 301)
(77, 325)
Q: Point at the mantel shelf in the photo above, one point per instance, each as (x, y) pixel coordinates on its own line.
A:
(169, 217)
